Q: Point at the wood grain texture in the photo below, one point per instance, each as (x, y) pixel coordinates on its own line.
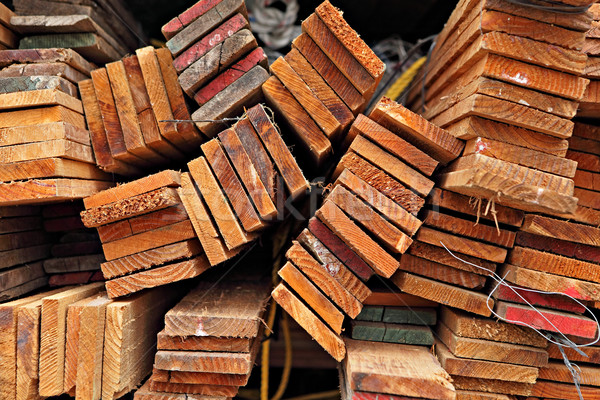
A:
(307, 131)
(312, 296)
(330, 73)
(41, 115)
(231, 185)
(491, 385)
(52, 341)
(199, 389)
(357, 240)
(232, 310)
(467, 326)
(484, 369)
(307, 320)
(40, 97)
(562, 247)
(206, 378)
(200, 361)
(390, 164)
(319, 275)
(441, 272)
(381, 181)
(66, 56)
(443, 293)
(478, 349)
(207, 343)
(333, 265)
(525, 296)
(563, 230)
(48, 190)
(276, 147)
(548, 389)
(558, 372)
(340, 249)
(178, 23)
(232, 232)
(401, 370)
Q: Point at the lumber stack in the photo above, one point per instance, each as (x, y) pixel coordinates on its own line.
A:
(130, 107)
(147, 236)
(240, 185)
(76, 252)
(210, 341)
(45, 150)
(100, 30)
(218, 61)
(454, 223)
(589, 106)
(384, 370)
(327, 78)
(23, 246)
(488, 357)
(9, 38)
(507, 78)
(76, 340)
(366, 221)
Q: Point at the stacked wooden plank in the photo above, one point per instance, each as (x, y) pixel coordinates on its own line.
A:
(367, 220)
(146, 234)
(76, 340)
(486, 357)
(218, 61)
(507, 78)
(589, 107)
(240, 184)
(23, 247)
(393, 371)
(76, 252)
(45, 151)
(452, 222)
(9, 39)
(210, 341)
(327, 78)
(100, 30)
(130, 107)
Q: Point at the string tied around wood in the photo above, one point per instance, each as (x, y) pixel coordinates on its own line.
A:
(559, 338)
(476, 202)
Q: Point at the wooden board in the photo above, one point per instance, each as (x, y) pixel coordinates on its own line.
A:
(491, 385)
(215, 60)
(357, 240)
(42, 115)
(305, 318)
(312, 296)
(190, 15)
(484, 369)
(206, 343)
(381, 181)
(67, 56)
(232, 232)
(338, 248)
(401, 370)
(556, 371)
(566, 391)
(201, 361)
(525, 296)
(563, 230)
(487, 350)
(199, 378)
(155, 277)
(40, 97)
(276, 147)
(48, 190)
(392, 237)
(441, 272)
(319, 275)
(443, 293)
(462, 204)
(390, 164)
(52, 342)
(330, 73)
(413, 128)
(568, 324)
(89, 45)
(167, 178)
(564, 248)
(467, 326)
(305, 128)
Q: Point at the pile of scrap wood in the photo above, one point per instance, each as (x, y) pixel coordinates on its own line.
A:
(9, 39)
(368, 217)
(147, 236)
(218, 60)
(210, 341)
(45, 150)
(129, 106)
(507, 78)
(76, 252)
(327, 78)
(100, 30)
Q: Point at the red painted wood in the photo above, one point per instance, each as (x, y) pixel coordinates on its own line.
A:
(555, 302)
(340, 249)
(196, 51)
(175, 25)
(257, 56)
